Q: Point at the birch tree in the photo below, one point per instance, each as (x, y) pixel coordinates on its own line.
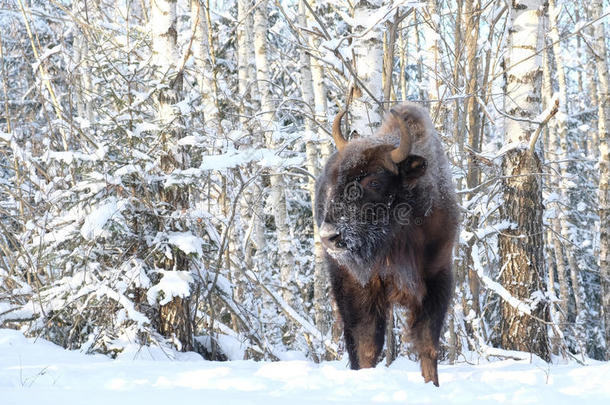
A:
(203, 54)
(467, 122)
(559, 152)
(321, 282)
(603, 129)
(557, 265)
(252, 206)
(471, 31)
(174, 317)
(430, 30)
(367, 45)
(313, 164)
(81, 60)
(244, 38)
(522, 272)
(277, 198)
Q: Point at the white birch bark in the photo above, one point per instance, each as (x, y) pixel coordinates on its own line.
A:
(277, 197)
(244, 47)
(81, 62)
(203, 61)
(590, 72)
(252, 204)
(319, 93)
(368, 65)
(313, 164)
(321, 295)
(403, 45)
(556, 249)
(164, 53)
(559, 143)
(521, 248)
(174, 317)
(430, 28)
(603, 129)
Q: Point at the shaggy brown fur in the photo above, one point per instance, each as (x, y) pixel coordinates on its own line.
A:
(388, 229)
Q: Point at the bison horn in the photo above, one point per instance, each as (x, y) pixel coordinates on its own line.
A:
(404, 147)
(337, 135)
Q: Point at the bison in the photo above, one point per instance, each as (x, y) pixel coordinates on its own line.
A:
(387, 217)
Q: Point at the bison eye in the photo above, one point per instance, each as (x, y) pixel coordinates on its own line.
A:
(371, 183)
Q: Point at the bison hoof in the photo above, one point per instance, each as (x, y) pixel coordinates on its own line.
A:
(429, 370)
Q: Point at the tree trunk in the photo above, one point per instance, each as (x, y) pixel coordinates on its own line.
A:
(81, 60)
(561, 144)
(174, 317)
(591, 73)
(313, 164)
(252, 203)
(403, 49)
(203, 54)
(473, 177)
(417, 24)
(431, 61)
(321, 288)
(277, 197)
(368, 65)
(560, 311)
(521, 249)
(603, 129)
(244, 42)
(388, 58)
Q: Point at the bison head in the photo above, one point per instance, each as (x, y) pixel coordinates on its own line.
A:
(365, 196)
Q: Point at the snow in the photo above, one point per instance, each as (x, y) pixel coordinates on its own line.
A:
(69, 157)
(495, 286)
(262, 157)
(132, 313)
(6, 137)
(173, 284)
(37, 371)
(144, 127)
(99, 216)
(186, 241)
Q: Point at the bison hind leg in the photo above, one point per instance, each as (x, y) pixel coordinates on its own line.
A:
(429, 367)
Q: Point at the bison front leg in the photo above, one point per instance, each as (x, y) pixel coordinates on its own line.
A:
(428, 322)
(363, 311)
(364, 336)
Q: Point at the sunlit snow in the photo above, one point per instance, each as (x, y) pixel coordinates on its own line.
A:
(36, 371)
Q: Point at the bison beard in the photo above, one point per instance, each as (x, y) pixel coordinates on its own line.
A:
(387, 218)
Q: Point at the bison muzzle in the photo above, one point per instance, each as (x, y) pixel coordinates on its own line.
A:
(387, 218)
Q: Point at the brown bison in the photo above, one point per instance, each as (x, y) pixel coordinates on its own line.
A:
(387, 217)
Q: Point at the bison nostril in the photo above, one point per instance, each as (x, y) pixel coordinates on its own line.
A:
(337, 240)
(333, 240)
(331, 236)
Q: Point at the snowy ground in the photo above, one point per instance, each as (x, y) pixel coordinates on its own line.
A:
(38, 372)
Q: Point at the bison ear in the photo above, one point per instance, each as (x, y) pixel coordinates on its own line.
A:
(412, 168)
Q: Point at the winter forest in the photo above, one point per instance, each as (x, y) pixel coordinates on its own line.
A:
(158, 162)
